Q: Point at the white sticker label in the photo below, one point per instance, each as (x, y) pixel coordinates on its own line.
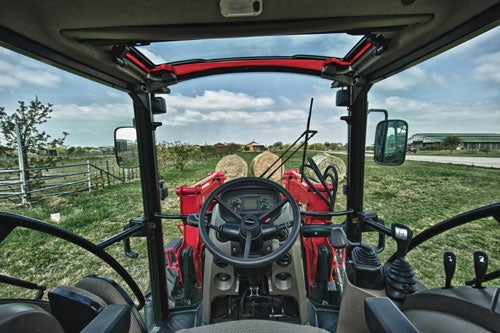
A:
(401, 233)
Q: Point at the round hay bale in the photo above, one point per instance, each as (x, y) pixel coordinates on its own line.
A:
(233, 167)
(324, 160)
(262, 162)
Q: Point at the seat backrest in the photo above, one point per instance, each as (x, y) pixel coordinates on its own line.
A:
(111, 292)
(27, 318)
(74, 307)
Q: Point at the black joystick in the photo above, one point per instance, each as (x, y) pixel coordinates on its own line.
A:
(403, 236)
(450, 263)
(480, 267)
(399, 275)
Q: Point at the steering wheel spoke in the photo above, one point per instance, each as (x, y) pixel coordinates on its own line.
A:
(248, 245)
(272, 211)
(228, 209)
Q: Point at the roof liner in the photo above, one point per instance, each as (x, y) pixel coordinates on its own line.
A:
(355, 25)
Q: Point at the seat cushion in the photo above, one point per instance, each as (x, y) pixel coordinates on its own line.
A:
(253, 326)
(27, 318)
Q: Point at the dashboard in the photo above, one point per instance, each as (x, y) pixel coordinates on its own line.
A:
(249, 201)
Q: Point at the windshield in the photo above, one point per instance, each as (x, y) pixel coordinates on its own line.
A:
(325, 45)
(243, 114)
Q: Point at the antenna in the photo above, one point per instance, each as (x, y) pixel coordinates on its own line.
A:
(307, 133)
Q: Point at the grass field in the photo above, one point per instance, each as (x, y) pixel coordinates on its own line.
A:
(418, 194)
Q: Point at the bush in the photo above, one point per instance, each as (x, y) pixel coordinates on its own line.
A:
(177, 154)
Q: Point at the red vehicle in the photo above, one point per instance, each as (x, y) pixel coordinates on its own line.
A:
(410, 149)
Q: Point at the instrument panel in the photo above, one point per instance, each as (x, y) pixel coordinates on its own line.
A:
(250, 202)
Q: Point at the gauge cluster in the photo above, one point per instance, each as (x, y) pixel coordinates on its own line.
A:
(246, 202)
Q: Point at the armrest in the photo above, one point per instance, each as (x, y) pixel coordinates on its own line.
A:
(114, 318)
(382, 315)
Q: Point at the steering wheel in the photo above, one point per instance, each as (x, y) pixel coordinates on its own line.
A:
(252, 228)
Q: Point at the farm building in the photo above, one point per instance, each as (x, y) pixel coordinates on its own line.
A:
(469, 141)
(254, 146)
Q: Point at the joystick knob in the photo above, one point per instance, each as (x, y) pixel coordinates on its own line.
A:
(480, 267)
(450, 263)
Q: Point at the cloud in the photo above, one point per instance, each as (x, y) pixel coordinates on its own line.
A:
(18, 71)
(488, 68)
(470, 116)
(485, 42)
(220, 100)
(89, 125)
(229, 116)
(8, 81)
(405, 80)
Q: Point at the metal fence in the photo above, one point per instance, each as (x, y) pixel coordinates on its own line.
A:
(59, 180)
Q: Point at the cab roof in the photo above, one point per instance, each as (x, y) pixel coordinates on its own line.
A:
(108, 41)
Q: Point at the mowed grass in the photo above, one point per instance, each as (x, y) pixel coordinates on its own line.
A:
(418, 194)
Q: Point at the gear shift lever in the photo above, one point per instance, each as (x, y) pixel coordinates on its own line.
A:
(480, 267)
(450, 263)
(403, 236)
(399, 276)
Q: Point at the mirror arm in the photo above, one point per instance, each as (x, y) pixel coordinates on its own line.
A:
(386, 114)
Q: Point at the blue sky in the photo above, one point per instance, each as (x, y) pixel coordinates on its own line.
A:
(458, 91)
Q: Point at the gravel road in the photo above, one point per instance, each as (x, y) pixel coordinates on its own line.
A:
(487, 162)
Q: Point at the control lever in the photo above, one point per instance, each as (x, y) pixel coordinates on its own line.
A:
(403, 235)
(450, 263)
(480, 267)
(134, 226)
(399, 275)
(338, 240)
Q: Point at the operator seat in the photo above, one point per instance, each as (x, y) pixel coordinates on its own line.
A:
(111, 292)
(28, 318)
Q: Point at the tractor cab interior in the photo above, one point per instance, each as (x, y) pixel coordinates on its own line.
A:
(254, 255)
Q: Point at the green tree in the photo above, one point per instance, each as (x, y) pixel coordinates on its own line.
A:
(35, 142)
(278, 145)
(451, 142)
(317, 146)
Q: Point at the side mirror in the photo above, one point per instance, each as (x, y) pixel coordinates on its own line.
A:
(390, 142)
(127, 155)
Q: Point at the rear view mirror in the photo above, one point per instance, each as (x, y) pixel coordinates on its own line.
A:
(127, 155)
(390, 142)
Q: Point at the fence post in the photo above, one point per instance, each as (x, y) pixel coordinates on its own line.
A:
(102, 178)
(96, 179)
(107, 173)
(89, 176)
(22, 175)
